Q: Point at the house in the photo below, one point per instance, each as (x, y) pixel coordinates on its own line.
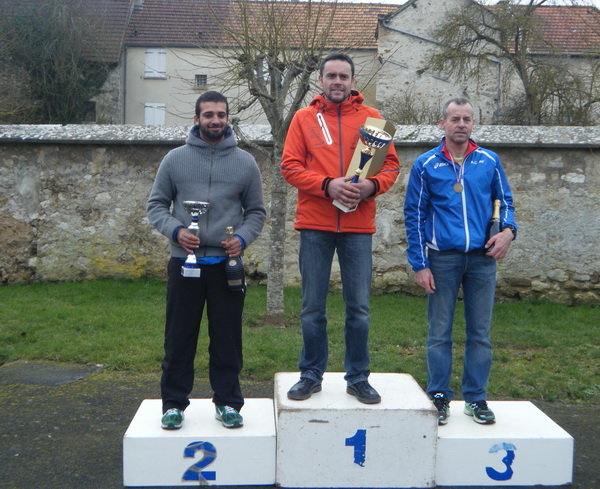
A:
(571, 35)
(172, 49)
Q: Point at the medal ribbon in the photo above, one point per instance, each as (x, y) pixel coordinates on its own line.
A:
(459, 175)
(458, 186)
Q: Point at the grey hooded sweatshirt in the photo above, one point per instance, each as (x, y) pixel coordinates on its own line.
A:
(223, 175)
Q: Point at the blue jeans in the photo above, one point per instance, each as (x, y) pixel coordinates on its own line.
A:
(355, 259)
(476, 272)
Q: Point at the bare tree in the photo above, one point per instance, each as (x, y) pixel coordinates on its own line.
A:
(11, 100)
(273, 48)
(477, 35)
(50, 44)
(410, 108)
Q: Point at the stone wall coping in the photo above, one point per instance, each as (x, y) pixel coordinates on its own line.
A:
(406, 135)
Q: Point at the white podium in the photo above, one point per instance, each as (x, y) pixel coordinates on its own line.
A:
(202, 451)
(523, 448)
(333, 440)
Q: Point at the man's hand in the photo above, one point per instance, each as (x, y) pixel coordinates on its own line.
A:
(188, 241)
(350, 194)
(501, 242)
(366, 187)
(233, 247)
(425, 279)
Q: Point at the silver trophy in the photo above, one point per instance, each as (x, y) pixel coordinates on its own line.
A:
(373, 138)
(190, 268)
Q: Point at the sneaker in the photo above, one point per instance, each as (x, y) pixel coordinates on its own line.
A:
(303, 389)
(172, 419)
(441, 402)
(364, 392)
(229, 417)
(480, 411)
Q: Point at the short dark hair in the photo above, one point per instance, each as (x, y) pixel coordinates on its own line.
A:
(457, 101)
(211, 96)
(339, 57)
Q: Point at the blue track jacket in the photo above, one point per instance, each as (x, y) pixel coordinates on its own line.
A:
(441, 219)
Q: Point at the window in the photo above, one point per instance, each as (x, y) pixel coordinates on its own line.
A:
(201, 81)
(155, 63)
(154, 114)
(90, 111)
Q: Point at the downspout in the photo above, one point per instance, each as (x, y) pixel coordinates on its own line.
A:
(410, 34)
(125, 86)
(499, 94)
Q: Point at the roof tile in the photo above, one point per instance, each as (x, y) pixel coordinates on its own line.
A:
(569, 30)
(190, 22)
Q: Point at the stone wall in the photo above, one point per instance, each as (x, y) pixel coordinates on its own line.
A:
(72, 207)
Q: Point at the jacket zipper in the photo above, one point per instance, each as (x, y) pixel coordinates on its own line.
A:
(463, 199)
(339, 115)
(212, 157)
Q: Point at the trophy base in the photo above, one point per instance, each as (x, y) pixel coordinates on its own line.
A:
(343, 208)
(190, 272)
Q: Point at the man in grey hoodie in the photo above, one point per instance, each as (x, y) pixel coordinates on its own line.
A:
(209, 168)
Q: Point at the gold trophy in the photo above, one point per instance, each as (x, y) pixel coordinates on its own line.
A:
(373, 138)
(190, 268)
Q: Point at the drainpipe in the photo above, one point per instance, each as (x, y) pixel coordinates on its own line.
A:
(125, 86)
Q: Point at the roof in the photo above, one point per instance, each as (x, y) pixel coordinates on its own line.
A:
(107, 20)
(569, 30)
(191, 22)
(564, 29)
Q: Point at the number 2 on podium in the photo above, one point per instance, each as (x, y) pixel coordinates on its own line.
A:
(195, 472)
(359, 442)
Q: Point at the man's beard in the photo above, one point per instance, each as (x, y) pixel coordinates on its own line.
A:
(212, 136)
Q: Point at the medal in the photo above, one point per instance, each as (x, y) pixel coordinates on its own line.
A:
(458, 186)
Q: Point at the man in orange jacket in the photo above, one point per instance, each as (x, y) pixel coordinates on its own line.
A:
(319, 147)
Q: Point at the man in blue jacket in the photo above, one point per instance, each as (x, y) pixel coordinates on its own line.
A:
(449, 203)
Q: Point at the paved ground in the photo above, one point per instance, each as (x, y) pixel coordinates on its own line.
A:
(62, 427)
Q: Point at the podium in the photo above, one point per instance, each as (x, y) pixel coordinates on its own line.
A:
(332, 440)
(202, 451)
(523, 448)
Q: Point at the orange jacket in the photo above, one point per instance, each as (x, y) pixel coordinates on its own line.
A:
(319, 147)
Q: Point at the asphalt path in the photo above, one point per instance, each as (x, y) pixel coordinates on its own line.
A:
(62, 426)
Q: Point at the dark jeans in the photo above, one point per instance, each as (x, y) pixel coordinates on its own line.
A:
(186, 298)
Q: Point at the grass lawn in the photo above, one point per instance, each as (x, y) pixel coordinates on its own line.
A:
(541, 351)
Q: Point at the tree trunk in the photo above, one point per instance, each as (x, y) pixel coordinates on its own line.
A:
(275, 302)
